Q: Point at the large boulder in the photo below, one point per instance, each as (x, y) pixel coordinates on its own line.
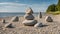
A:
(29, 22)
(38, 25)
(29, 17)
(15, 19)
(49, 19)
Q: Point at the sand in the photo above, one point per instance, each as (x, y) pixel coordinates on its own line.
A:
(19, 28)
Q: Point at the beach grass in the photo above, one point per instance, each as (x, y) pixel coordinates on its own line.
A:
(54, 13)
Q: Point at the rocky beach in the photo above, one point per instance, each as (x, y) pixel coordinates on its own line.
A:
(29, 16)
(19, 28)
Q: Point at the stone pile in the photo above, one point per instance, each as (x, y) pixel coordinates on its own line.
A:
(29, 18)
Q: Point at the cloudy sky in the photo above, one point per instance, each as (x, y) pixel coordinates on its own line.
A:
(22, 5)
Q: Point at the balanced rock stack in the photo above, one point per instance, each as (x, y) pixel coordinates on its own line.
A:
(49, 19)
(29, 18)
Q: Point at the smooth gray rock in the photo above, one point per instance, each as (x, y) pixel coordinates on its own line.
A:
(40, 15)
(29, 22)
(15, 19)
(49, 19)
(38, 25)
(29, 17)
(8, 25)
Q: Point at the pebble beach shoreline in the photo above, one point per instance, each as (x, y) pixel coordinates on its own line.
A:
(19, 28)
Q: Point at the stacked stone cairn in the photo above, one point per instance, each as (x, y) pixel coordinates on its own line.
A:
(48, 19)
(29, 18)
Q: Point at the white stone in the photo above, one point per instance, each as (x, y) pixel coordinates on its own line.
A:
(29, 11)
(49, 19)
(38, 25)
(15, 18)
(29, 17)
(29, 22)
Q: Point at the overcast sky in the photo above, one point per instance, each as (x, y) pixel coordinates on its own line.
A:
(22, 5)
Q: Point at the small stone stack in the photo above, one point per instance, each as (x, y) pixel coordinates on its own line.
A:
(40, 15)
(29, 18)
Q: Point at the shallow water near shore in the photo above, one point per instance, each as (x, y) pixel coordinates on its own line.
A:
(5, 14)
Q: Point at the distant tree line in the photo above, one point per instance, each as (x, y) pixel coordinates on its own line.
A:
(53, 7)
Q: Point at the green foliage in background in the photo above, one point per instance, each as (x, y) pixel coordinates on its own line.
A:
(54, 9)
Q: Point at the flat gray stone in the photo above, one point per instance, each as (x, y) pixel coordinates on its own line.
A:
(15, 19)
(29, 22)
(8, 25)
(49, 19)
(29, 17)
(38, 25)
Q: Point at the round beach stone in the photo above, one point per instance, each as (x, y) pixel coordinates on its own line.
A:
(38, 25)
(15, 18)
(29, 11)
(29, 17)
(29, 22)
(49, 19)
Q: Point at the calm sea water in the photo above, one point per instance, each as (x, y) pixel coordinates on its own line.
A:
(2, 14)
